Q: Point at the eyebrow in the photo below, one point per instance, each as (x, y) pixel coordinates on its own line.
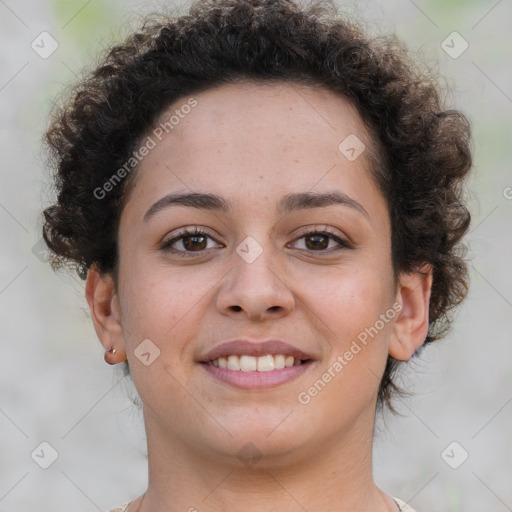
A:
(287, 204)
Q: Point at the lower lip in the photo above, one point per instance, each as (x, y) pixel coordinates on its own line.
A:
(254, 379)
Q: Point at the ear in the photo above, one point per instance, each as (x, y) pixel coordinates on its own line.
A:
(104, 306)
(411, 326)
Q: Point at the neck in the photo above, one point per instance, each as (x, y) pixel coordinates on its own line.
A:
(333, 475)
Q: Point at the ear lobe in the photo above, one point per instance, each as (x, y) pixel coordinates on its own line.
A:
(411, 326)
(105, 312)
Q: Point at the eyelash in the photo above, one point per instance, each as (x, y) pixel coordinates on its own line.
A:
(189, 232)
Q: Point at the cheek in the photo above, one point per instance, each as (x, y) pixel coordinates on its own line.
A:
(158, 299)
(353, 310)
(164, 305)
(351, 299)
(161, 307)
(348, 379)
(346, 383)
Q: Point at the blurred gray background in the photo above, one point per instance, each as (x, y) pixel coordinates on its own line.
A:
(54, 385)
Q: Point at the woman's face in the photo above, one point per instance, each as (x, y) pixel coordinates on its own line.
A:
(260, 269)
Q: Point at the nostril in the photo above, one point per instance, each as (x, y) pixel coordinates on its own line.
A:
(236, 308)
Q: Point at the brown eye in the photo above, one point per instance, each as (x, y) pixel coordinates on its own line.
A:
(194, 242)
(317, 241)
(189, 241)
(321, 241)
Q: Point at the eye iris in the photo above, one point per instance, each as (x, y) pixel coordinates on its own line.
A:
(191, 242)
(317, 239)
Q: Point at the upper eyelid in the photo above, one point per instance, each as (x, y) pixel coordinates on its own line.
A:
(318, 229)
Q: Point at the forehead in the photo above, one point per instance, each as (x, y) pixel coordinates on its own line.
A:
(257, 140)
(247, 111)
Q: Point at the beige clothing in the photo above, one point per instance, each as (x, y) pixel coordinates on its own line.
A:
(403, 506)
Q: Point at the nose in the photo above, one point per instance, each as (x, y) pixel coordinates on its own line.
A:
(256, 289)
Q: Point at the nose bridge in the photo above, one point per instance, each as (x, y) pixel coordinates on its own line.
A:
(254, 286)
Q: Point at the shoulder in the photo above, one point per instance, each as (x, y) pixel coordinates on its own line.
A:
(121, 508)
(403, 506)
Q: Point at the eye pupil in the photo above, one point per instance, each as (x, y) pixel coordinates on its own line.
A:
(191, 242)
(317, 239)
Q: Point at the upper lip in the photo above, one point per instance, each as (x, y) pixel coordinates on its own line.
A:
(254, 348)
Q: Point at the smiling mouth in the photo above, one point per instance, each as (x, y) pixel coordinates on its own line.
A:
(264, 363)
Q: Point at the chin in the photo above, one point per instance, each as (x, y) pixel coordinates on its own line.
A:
(271, 442)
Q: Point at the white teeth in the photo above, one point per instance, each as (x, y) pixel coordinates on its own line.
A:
(279, 362)
(264, 363)
(247, 363)
(233, 363)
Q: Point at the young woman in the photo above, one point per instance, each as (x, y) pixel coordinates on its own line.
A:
(267, 208)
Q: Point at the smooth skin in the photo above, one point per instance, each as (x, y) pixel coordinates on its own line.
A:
(252, 144)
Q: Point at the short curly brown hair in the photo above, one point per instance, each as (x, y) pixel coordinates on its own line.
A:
(423, 150)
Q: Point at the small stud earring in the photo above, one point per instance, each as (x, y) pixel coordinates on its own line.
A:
(108, 353)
